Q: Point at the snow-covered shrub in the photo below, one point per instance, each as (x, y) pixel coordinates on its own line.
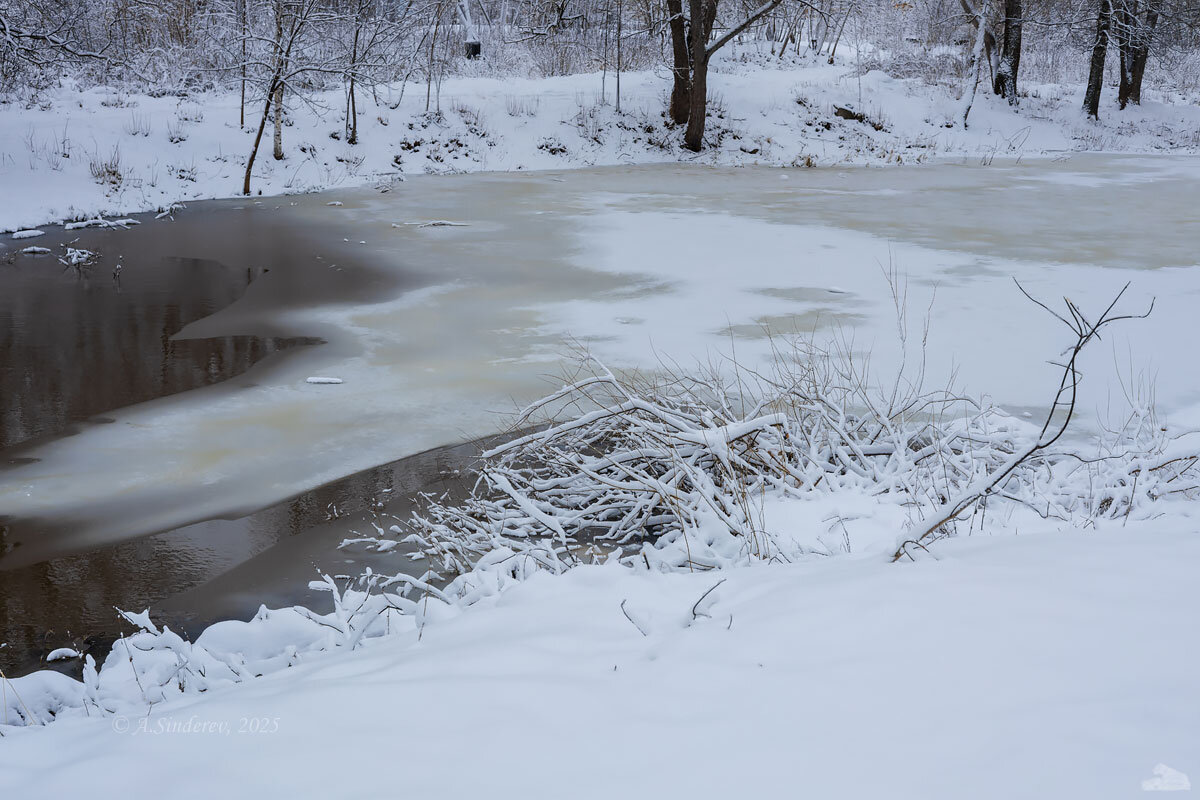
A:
(118, 101)
(189, 112)
(521, 106)
(137, 125)
(182, 172)
(590, 121)
(472, 117)
(107, 171)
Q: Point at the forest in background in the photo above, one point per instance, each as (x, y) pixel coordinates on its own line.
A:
(278, 52)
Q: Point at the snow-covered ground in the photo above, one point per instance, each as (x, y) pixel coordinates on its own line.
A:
(79, 154)
(1054, 665)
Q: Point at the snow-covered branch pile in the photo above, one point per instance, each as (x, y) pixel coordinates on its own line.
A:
(1132, 468)
(673, 473)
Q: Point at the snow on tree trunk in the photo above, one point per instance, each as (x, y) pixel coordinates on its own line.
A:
(1010, 51)
(277, 100)
(977, 59)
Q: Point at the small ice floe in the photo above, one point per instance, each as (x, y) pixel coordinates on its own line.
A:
(62, 654)
(334, 203)
(319, 379)
(436, 223)
(120, 224)
(36, 251)
(29, 234)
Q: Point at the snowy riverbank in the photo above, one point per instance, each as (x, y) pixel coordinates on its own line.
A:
(81, 154)
(1056, 666)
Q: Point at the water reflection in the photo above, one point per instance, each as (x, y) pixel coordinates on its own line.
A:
(70, 601)
(74, 344)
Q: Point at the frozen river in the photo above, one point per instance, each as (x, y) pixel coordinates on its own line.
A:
(439, 331)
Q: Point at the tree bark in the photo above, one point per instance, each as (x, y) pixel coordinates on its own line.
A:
(693, 137)
(1091, 97)
(351, 101)
(976, 21)
(681, 90)
(262, 125)
(1143, 55)
(1010, 51)
(701, 52)
(1133, 35)
(702, 11)
(277, 101)
(976, 63)
(278, 143)
(243, 28)
(1124, 23)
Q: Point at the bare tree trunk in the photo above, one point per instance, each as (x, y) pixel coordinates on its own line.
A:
(693, 137)
(1091, 97)
(978, 20)
(262, 125)
(277, 101)
(243, 26)
(1010, 51)
(278, 149)
(620, 15)
(1143, 55)
(838, 38)
(604, 60)
(1124, 29)
(353, 136)
(1133, 37)
(976, 63)
(432, 45)
(706, 12)
(681, 90)
(702, 14)
(351, 102)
